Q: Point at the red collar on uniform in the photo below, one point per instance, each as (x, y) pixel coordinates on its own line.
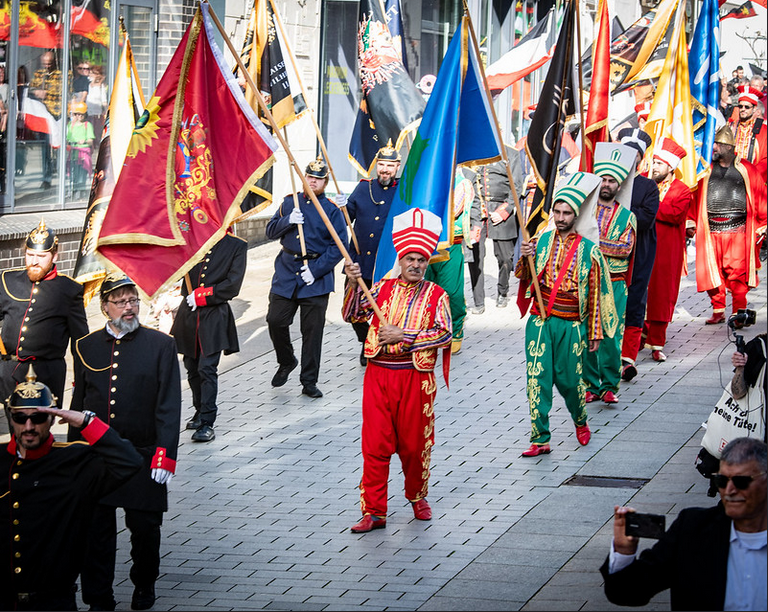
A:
(52, 274)
(34, 453)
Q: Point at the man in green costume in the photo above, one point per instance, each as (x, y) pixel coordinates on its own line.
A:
(578, 304)
(614, 164)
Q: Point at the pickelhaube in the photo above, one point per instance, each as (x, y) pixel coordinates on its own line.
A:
(317, 168)
(725, 136)
(388, 153)
(42, 239)
(31, 394)
(113, 281)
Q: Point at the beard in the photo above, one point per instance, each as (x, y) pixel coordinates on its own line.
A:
(36, 273)
(125, 326)
(385, 182)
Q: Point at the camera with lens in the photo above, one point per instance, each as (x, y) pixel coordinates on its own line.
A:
(744, 317)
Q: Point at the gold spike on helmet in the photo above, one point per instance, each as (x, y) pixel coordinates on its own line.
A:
(317, 168)
(388, 153)
(42, 239)
(31, 394)
(725, 136)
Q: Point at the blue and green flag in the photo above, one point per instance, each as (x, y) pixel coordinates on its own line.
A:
(457, 127)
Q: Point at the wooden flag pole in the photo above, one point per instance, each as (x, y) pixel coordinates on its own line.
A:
(505, 159)
(317, 127)
(307, 188)
(296, 202)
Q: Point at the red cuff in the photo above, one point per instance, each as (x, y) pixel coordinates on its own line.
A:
(94, 431)
(503, 212)
(201, 293)
(162, 461)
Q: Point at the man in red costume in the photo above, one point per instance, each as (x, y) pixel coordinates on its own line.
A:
(730, 224)
(676, 200)
(399, 386)
(750, 130)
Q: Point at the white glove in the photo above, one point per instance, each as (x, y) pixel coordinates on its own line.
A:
(341, 200)
(191, 302)
(306, 274)
(296, 217)
(161, 476)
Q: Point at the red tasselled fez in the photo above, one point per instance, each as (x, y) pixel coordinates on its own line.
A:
(417, 231)
(747, 93)
(670, 153)
(643, 110)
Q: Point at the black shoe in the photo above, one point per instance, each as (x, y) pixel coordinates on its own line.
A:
(363, 358)
(103, 605)
(628, 371)
(194, 423)
(502, 301)
(143, 598)
(204, 433)
(312, 391)
(281, 376)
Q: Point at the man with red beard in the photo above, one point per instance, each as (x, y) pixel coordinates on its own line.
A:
(42, 312)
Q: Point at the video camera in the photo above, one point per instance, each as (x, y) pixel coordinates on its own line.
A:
(744, 317)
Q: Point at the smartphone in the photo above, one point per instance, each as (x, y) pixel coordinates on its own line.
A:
(645, 525)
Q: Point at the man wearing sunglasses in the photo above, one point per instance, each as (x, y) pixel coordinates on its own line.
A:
(750, 130)
(710, 558)
(129, 376)
(49, 494)
(42, 312)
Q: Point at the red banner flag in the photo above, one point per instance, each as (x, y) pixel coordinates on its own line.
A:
(596, 125)
(193, 155)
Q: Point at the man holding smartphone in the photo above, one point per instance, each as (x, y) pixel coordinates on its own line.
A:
(710, 558)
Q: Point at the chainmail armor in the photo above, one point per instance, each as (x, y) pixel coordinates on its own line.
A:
(726, 200)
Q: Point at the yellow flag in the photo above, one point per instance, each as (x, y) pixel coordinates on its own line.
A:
(671, 113)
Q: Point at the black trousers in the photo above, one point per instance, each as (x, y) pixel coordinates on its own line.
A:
(65, 600)
(504, 250)
(361, 329)
(203, 379)
(474, 259)
(280, 316)
(98, 573)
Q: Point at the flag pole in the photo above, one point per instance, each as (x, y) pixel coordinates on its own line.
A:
(505, 159)
(581, 72)
(292, 160)
(314, 122)
(296, 202)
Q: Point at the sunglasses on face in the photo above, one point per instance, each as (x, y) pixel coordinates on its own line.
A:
(745, 106)
(740, 482)
(37, 418)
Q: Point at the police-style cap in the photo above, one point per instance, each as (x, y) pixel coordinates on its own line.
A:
(614, 159)
(31, 394)
(113, 281)
(725, 136)
(576, 189)
(388, 153)
(635, 138)
(416, 230)
(317, 168)
(42, 239)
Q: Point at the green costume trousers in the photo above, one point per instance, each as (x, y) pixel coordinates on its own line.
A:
(553, 349)
(449, 275)
(602, 369)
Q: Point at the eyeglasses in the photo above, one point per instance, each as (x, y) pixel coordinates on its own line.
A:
(124, 303)
(740, 482)
(746, 106)
(37, 418)
(84, 67)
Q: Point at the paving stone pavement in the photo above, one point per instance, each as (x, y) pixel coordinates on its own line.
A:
(259, 518)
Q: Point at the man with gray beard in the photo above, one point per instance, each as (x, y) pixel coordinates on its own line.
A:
(128, 375)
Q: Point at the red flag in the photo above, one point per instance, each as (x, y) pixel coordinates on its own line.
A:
(84, 23)
(741, 12)
(193, 155)
(596, 125)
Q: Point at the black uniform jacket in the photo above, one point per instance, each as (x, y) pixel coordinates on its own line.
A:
(691, 560)
(40, 318)
(215, 280)
(46, 503)
(134, 385)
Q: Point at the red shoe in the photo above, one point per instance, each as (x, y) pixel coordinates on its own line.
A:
(658, 356)
(421, 510)
(583, 434)
(716, 318)
(591, 397)
(369, 523)
(537, 449)
(628, 372)
(610, 398)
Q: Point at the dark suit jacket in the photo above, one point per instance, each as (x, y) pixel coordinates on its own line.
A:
(691, 560)
(645, 205)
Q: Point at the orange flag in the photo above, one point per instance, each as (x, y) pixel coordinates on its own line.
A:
(596, 125)
(193, 155)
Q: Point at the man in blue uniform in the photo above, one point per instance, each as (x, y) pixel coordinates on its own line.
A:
(303, 277)
(368, 207)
